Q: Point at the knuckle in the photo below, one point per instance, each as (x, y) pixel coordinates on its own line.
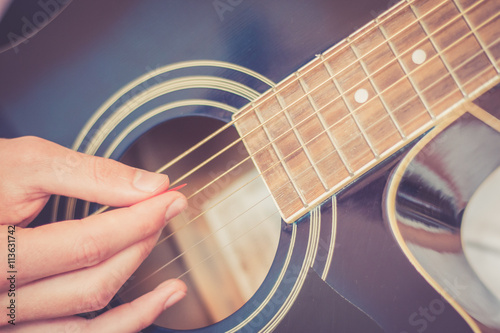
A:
(89, 251)
(76, 326)
(148, 228)
(98, 298)
(145, 249)
(101, 292)
(99, 169)
(31, 141)
(141, 322)
(31, 146)
(144, 227)
(29, 151)
(18, 152)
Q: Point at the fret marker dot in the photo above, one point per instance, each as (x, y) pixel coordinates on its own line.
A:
(361, 96)
(419, 56)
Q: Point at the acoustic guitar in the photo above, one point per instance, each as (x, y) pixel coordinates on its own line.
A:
(331, 188)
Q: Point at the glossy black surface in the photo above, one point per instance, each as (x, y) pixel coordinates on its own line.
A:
(325, 310)
(369, 268)
(53, 83)
(431, 198)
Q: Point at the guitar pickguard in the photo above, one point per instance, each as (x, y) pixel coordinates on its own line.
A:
(426, 201)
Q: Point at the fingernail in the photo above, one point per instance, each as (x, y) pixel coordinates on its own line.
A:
(149, 181)
(175, 208)
(174, 298)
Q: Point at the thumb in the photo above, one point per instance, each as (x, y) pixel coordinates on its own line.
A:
(141, 312)
(46, 167)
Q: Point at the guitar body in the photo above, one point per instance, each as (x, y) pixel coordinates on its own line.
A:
(461, 166)
(350, 264)
(363, 220)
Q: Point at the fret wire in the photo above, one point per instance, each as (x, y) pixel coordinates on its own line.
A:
(260, 101)
(427, 88)
(337, 49)
(375, 88)
(393, 147)
(232, 122)
(443, 98)
(392, 13)
(324, 63)
(229, 124)
(347, 104)
(282, 160)
(434, 44)
(232, 241)
(301, 141)
(405, 70)
(437, 54)
(402, 54)
(325, 126)
(440, 100)
(478, 75)
(478, 38)
(399, 144)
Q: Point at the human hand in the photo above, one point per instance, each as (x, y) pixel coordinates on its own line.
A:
(71, 267)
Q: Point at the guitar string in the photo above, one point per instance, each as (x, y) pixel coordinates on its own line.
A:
(229, 124)
(213, 206)
(413, 97)
(211, 255)
(260, 222)
(343, 118)
(314, 138)
(330, 127)
(312, 91)
(444, 50)
(335, 51)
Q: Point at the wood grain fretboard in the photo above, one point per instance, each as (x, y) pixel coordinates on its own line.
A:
(368, 96)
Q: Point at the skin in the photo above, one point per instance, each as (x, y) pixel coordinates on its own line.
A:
(76, 266)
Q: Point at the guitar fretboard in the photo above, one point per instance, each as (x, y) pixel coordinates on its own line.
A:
(366, 97)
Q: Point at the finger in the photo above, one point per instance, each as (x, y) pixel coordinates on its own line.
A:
(130, 317)
(142, 312)
(43, 166)
(71, 324)
(66, 246)
(85, 290)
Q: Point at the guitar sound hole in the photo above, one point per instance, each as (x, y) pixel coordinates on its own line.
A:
(223, 245)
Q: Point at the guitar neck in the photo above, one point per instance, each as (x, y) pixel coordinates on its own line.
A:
(368, 96)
